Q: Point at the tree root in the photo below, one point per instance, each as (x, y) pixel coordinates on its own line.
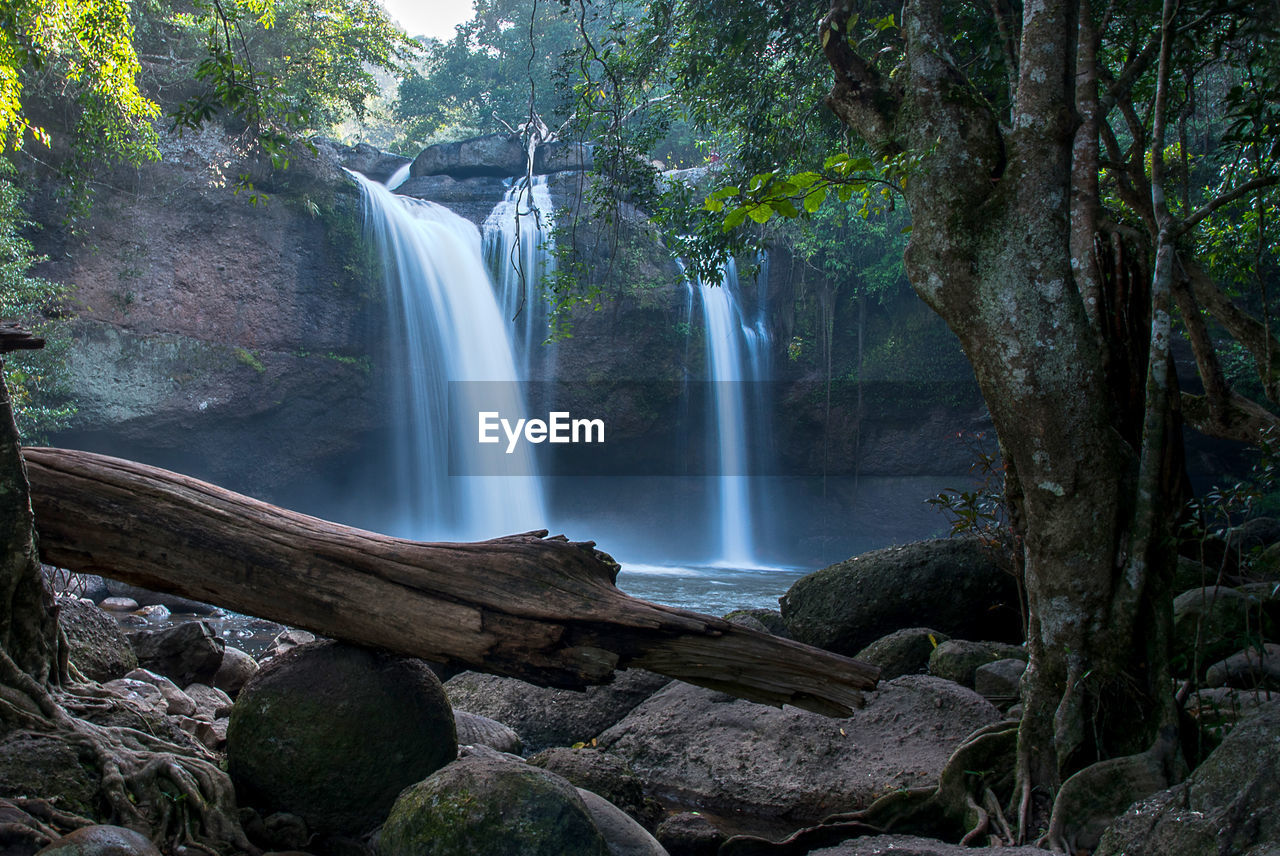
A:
(1092, 798)
(174, 795)
(963, 807)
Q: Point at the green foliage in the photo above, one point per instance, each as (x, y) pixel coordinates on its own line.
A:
(280, 69)
(36, 380)
(83, 50)
(502, 66)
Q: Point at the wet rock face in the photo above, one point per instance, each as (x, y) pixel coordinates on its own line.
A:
(302, 728)
(208, 329)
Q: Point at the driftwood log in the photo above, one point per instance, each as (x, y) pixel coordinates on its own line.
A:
(542, 609)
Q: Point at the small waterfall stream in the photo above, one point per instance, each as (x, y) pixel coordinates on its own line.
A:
(448, 335)
(737, 367)
(519, 250)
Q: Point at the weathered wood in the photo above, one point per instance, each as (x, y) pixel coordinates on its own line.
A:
(15, 338)
(542, 609)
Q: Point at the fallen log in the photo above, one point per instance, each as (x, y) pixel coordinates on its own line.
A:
(541, 609)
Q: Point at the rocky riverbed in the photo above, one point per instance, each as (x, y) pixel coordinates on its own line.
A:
(337, 750)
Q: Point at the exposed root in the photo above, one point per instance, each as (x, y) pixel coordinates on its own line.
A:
(1092, 798)
(960, 808)
(175, 795)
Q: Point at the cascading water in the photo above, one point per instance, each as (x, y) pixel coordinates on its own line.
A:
(445, 326)
(737, 366)
(519, 250)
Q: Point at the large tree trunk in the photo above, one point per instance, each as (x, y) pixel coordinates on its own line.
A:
(28, 622)
(991, 252)
(541, 609)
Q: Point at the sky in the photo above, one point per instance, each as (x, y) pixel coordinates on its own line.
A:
(435, 18)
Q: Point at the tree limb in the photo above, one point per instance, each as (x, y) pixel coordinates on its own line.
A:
(541, 609)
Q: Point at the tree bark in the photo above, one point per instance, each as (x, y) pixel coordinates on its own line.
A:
(991, 251)
(28, 620)
(541, 609)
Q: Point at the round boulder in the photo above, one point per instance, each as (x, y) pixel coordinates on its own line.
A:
(902, 652)
(333, 732)
(959, 659)
(604, 774)
(491, 804)
(102, 841)
(1214, 622)
(953, 584)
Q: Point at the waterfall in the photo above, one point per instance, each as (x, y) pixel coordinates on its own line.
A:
(519, 250)
(737, 366)
(446, 336)
(400, 176)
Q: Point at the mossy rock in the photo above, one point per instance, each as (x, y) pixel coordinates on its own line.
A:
(1214, 622)
(39, 765)
(1227, 805)
(902, 652)
(959, 660)
(488, 804)
(332, 733)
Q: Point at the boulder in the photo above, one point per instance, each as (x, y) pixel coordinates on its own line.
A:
(301, 731)
(1220, 707)
(952, 584)
(210, 702)
(769, 620)
(1254, 535)
(562, 156)
(234, 671)
(286, 640)
(604, 774)
(188, 653)
(492, 804)
(902, 652)
(622, 834)
(690, 834)
(370, 162)
(1214, 622)
(102, 841)
(958, 659)
(1255, 667)
(177, 703)
(1227, 804)
(1000, 682)
(39, 765)
(494, 155)
(119, 604)
(1266, 565)
(548, 717)
(95, 644)
(700, 747)
(142, 696)
(472, 198)
(476, 730)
